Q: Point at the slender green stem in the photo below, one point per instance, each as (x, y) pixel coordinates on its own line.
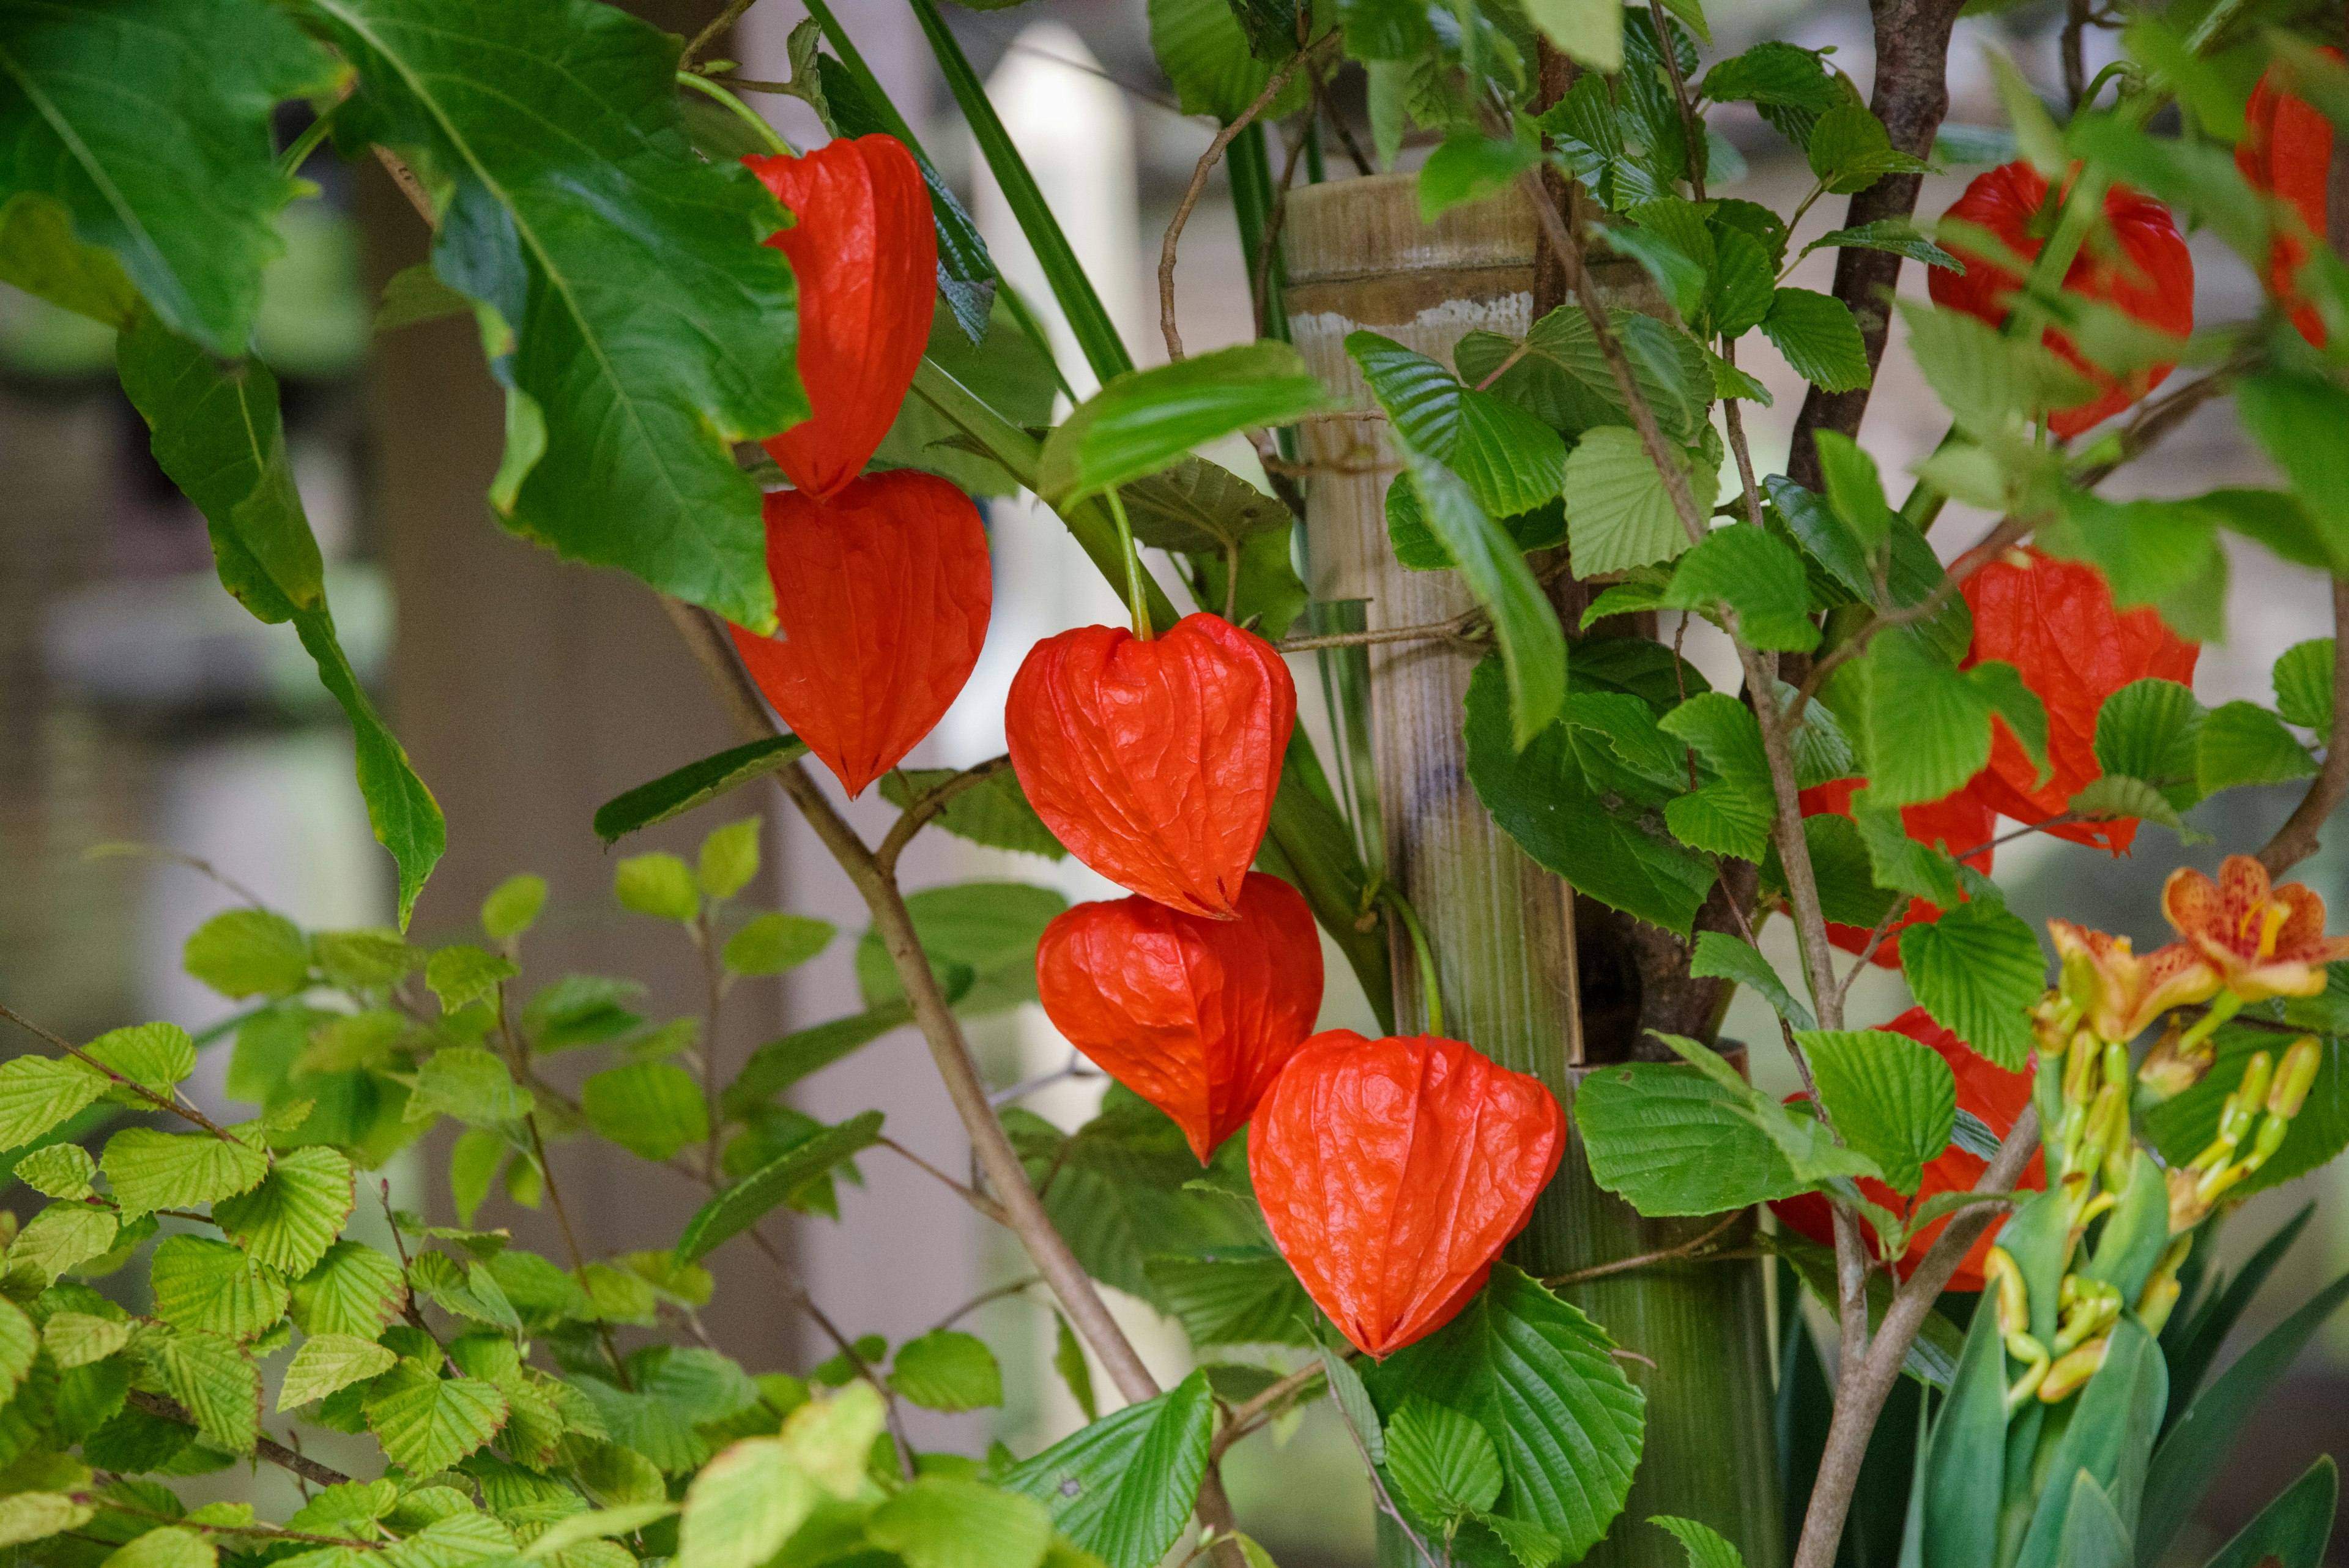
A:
(749, 116)
(290, 161)
(1134, 599)
(1431, 991)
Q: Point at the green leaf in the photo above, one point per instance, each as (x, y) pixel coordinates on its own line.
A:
(38, 1093)
(995, 811)
(779, 1064)
(1443, 1463)
(1731, 813)
(940, 1523)
(1719, 956)
(2303, 686)
(2150, 730)
(1989, 382)
(211, 1286)
(294, 1215)
(61, 1170)
(1756, 575)
(151, 1170)
(1199, 46)
(38, 1515)
(427, 1422)
(77, 1339)
(1467, 167)
(1537, 1376)
(773, 943)
(2291, 1532)
(1510, 461)
(730, 858)
(327, 1361)
(155, 1056)
(1553, 799)
(743, 1506)
(63, 1237)
(1898, 235)
(673, 794)
(248, 952)
(1532, 646)
(1978, 970)
(989, 928)
(353, 1290)
(1818, 336)
(642, 348)
(1196, 507)
(745, 1203)
(1068, 1361)
(1928, 726)
(2000, 685)
(2244, 744)
(1850, 149)
(215, 1378)
(470, 1083)
(947, 1370)
(659, 885)
(597, 1524)
(1619, 514)
(462, 975)
(1144, 421)
(1670, 1141)
(1892, 1099)
(514, 905)
(1590, 31)
(1234, 1295)
(1706, 1547)
(652, 1109)
(1122, 1488)
(190, 215)
(1560, 376)
(2289, 417)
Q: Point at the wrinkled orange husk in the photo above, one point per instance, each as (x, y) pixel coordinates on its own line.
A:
(883, 598)
(1197, 1017)
(864, 249)
(2287, 152)
(1155, 761)
(1393, 1171)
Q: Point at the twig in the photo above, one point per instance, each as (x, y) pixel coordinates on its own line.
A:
(1675, 1253)
(1207, 161)
(2158, 416)
(983, 1298)
(202, 867)
(276, 1453)
(171, 1103)
(2295, 841)
(112, 1504)
(972, 1196)
(708, 36)
(1261, 282)
(925, 807)
(1245, 1418)
(1323, 109)
(2075, 61)
(843, 1344)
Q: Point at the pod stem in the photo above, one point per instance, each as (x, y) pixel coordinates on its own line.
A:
(1136, 600)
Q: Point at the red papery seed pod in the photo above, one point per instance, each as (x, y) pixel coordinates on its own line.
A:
(883, 597)
(1197, 1017)
(2152, 280)
(2287, 152)
(2055, 622)
(1155, 761)
(1984, 1089)
(864, 249)
(1393, 1171)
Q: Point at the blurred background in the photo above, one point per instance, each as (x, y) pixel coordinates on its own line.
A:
(138, 705)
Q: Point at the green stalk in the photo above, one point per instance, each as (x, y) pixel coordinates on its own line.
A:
(1135, 603)
(749, 116)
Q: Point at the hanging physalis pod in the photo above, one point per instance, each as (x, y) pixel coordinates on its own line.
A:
(883, 597)
(2287, 152)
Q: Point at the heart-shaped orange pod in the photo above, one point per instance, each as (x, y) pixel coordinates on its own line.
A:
(883, 597)
(1392, 1172)
(1154, 760)
(1197, 1017)
(2287, 152)
(864, 249)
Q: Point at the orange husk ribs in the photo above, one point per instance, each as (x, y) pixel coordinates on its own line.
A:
(2287, 153)
(1391, 1173)
(1197, 1017)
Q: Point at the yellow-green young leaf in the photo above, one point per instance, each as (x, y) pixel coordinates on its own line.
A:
(365, 959)
(947, 1370)
(19, 1343)
(689, 1283)
(330, 1361)
(649, 1108)
(1591, 31)
(461, 974)
(63, 1236)
(596, 1524)
(248, 952)
(743, 1506)
(730, 858)
(470, 1291)
(353, 1290)
(153, 1055)
(472, 1166)
(469, 1084)
(213, 1286)
(937, 1522)
(659, 885)
(426, 1422)
(829, 1438)
(38, 1515)
(455, 1540)
(173, 1546)
(36, 1093)
(618, 1296)
(62, 1171)
(350, 1042)
(294, 1216)
(513, 907)
(771, 944)
(151, 1170)
(77, 1338)
(220, 1385)
(1617, 513)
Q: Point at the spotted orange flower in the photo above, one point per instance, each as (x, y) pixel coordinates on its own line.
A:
(2132, 991)
(2263, 941)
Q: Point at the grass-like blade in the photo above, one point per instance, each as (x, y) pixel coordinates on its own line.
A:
(673, 794)
(750, 1200)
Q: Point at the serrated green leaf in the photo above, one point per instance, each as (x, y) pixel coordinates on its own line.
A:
(1122, 1488)
(62, 1237)
(1560, 376)
(1900, 236)
(513, 907)
(462, 975)
(353, 1290)
(470, 1083)
(1819, 338)
(1670, 1141)
(730, 858)
(947, 1370)
(1759, 578)
(596, 1524)
(1619, 514)
(1199, 44)
(652, 1109)
(1719, 956)
(38, 1093)
(743, 1506)
(155, 1056)
(1532, 645)
(173, 1546)
(294, 1215)
(745, 1203)
(38, 1515)
(210, 1286)
(1978, 970)
(248, 952)
(2303, 686)
(2149, 730)
(1235, 1295)
(151, 1170)
(1850, 149)
(1892, 1099)
(940, 1523)
(773, 943)
(1467, 167)
(994, 813)
(1928, 726)
(1706, 1547)
(2244, 744)
(427, 1422)
(215, 1378)
(77, 1338)
(1731, 813)
(1509, 460)
(1443, 1463)
(327, 1361)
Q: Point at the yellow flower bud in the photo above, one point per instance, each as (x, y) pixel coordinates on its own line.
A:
(2294, 1078)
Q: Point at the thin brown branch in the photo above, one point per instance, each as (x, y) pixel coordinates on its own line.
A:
(1245, 1418)
(709, 35)
(1260, 275)
(2295, 841)
(924, 808)
(843, 1345)
(1679, 1252)
(985, 1298)
(1206, 164)
(1324, 109)
(2158, 418)
(2074, 51)
(276, 1453)
(975, 1198)
(161, 1102)
(113, 1503)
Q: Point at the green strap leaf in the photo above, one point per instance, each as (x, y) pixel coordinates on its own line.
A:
(2293, 1530)
(674, 793)
(1123, 1487)
(1144, 421)
(748, 1201)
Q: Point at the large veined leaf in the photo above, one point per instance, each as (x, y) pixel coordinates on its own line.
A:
(1978, 969)
(428, 1422)
(1757, 577)
(210, 1285)
(294, 1215)
(1147, 420)
(748, 1201)
(152, 1169)
(1443, 1463)
(1236, 1296)
(1123, 1487)
(327, 1361)
(1509, 459)
(1619, 514)
(353, 1290)
(1560, 374)
(38, 1093)
(147, 123)
(1199, 46)
(1540, 1378)
(1892, 1099)
(1730, 814)
(1670, 1141)
(216, 1379)
(638, 350)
